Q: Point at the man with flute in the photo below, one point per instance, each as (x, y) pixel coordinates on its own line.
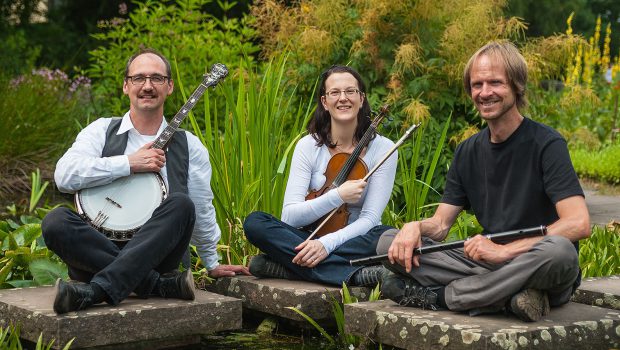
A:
(515, 173)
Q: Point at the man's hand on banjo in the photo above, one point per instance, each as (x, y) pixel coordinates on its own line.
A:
(147, 159)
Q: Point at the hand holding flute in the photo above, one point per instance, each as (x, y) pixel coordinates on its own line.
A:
(502, 237)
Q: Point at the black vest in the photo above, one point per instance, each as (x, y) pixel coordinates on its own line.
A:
(177, 154)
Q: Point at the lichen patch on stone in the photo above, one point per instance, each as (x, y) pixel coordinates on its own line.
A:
(403, 333)
(469, 337)
(559, 330)
(444, 340)
(545, 335)
(591, 325)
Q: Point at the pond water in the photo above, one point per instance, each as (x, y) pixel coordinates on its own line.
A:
(247, 340)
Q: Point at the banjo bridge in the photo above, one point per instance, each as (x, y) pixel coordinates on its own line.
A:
(113, 202)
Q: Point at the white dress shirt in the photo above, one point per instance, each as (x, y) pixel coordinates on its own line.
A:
(307, 174)
(82, 166)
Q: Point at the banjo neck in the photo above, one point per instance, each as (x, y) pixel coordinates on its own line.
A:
(218, 72)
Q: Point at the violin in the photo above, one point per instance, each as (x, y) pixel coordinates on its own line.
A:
(341, 168)
(407, 134)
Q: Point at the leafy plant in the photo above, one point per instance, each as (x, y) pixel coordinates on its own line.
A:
(25, 260)
(37, 189)
(599, 255)
(9, 340)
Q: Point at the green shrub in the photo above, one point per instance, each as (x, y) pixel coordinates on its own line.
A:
(603, 164)
(182, 32)
(41, 109)
(20, 56)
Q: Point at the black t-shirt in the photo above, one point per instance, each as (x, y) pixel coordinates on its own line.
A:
(514, 184)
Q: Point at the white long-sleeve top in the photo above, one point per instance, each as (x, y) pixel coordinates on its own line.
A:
(82, 167)
(307, 174)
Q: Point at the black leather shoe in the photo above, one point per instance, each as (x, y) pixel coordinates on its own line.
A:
(72, 296)
(368, 276)
(262, 266)
(407, 292)
(177, 285)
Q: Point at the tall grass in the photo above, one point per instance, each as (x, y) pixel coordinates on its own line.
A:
(250, 125)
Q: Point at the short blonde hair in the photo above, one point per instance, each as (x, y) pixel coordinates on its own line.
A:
(514, 64)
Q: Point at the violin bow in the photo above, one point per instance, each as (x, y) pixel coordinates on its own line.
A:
(398, 143)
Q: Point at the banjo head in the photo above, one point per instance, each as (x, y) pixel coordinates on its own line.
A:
(128, 203)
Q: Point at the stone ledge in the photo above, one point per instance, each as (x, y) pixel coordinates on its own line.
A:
(572, 326)
(135, 323)
(599, 291)
(272, 296)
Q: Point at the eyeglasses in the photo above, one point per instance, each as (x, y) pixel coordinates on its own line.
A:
(334, 94)
(141, 79)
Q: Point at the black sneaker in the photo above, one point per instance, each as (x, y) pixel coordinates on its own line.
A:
(72, 296)
(368, 276)
(179, 285)
(530, 305)
(407, 292)
(262, 266)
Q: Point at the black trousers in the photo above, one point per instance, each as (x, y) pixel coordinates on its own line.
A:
(118, 269)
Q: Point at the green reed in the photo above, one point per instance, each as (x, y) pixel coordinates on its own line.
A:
(250, 125)
(599, 255)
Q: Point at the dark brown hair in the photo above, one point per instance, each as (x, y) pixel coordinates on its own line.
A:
(320, 124)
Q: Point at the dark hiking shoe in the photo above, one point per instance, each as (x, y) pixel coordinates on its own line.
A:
(72, 296)
(530, 305)
(179, 285)
(262, 266)
(407, 292)
(368, 276)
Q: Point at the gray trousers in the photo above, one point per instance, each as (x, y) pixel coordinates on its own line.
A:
(551, 265)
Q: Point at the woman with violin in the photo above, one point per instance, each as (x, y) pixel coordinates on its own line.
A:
(337, 128)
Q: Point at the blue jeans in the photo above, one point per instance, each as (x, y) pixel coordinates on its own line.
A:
(278, 240)
(118, 268)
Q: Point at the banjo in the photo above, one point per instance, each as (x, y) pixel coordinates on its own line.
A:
(120, 208)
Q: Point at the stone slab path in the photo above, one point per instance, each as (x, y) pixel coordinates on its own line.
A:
(603, 209)
(273, 296)
(573, 326)
(599, 291)
(134, 324)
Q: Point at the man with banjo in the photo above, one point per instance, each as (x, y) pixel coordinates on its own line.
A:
(514, 173)
(144, 185)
